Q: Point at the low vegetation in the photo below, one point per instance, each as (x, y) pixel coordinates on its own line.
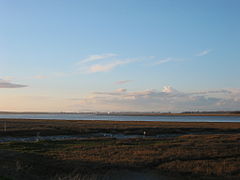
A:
(190, 155)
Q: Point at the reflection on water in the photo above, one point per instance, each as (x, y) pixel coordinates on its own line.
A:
(124, 118)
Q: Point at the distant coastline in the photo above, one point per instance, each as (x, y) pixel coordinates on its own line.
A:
(194, 113)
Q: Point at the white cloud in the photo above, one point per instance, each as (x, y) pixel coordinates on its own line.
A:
(96, 57)
(105, 67)
(108, 62)
(7, 84)
(169, 89)
(167, 99)
(221, 91)
(165, 60)
(204, 52)
(169, 59)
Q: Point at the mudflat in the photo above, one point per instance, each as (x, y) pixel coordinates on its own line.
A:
(160, 150)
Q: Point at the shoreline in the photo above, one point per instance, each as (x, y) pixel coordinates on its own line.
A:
(116, 121)
(132, 113)
(228, 118)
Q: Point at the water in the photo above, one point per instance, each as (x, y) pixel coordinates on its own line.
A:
(78, 137)
(122, 118)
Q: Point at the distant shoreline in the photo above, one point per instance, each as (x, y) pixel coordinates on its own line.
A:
(235, 113)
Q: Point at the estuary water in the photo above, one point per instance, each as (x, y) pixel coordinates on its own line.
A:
(62, 116)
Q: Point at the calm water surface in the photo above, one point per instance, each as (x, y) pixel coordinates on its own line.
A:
(124, 118)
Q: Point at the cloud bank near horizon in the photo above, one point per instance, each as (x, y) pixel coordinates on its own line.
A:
(165, 100)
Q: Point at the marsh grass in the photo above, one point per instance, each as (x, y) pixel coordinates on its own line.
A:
(76, 176)
(26, 128)
(208, 155)
(212, 155)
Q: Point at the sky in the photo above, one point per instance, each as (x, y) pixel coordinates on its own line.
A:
(128, 55)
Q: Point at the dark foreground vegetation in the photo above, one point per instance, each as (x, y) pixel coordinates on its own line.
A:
(196, 151)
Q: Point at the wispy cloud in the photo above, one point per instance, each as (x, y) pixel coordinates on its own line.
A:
(7, 84)
(92, 58)
(98, 63)
(168, 60)
(108, 62)
(165, 60)
(204, 52)
(105, 67)
(123, 81)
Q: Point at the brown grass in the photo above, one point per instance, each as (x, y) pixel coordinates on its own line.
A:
(193, 155)
(21, 127)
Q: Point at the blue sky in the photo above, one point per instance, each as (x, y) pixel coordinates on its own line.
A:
(109, 55)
